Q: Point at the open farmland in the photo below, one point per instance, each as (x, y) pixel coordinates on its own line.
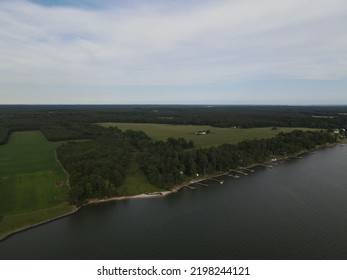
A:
(217, 136)
(30, 181)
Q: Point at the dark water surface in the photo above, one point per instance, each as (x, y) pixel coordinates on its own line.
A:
(297, 210)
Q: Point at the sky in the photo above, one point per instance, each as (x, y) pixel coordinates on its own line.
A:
(286, 52)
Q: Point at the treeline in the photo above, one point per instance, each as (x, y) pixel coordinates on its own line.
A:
(65, 118)
(4, 131)
(69, 122)
(73, 131)
(166, 165)
(4, 134)
(98, 167)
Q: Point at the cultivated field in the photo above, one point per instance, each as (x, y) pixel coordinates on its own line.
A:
(216, 137)
(30, 180)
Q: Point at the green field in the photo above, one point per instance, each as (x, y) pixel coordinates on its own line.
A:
(30, 180)
(136, 182)
(216, 137)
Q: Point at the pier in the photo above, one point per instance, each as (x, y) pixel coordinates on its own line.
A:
(240, 172)
(191, 187)
(246, 169)
(199, 183)
(215, 180)
(266, 165)
(234, 176)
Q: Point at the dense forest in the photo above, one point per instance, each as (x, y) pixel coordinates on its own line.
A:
(98, 167)
(166, 164)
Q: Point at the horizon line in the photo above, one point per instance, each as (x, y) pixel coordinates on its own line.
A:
(165, 104)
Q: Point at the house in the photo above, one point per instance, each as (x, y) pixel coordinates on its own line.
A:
(336, 131)
(202, 132)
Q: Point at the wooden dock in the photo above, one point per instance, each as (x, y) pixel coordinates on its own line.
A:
(199, 183)
(240, 172)
(266, 165)
(246, 169)
(215, 180)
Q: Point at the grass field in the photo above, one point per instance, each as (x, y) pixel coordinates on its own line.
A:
(30, 180)
(136, 182)
(216, 137)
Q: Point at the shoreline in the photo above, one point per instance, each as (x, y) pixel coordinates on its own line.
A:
(9, 234)
(124, 197)
(165, 193)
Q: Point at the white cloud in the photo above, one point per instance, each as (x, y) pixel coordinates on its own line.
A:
(204, 42)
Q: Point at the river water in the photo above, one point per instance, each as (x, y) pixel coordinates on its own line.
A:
(296, 210)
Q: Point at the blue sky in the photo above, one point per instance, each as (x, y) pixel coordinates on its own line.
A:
(173, 52)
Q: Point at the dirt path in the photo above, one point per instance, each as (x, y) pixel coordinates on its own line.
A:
(63, 168)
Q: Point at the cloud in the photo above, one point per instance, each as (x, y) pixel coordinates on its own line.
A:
(171, 42)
